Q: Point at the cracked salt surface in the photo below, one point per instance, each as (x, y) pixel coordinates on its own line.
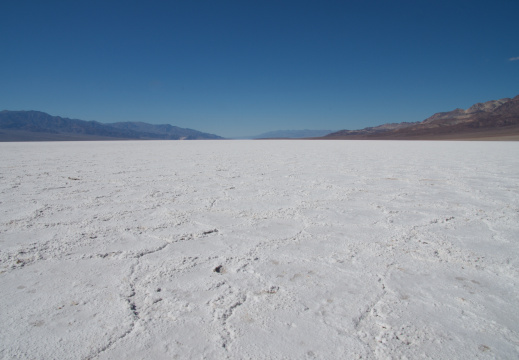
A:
(259, 249)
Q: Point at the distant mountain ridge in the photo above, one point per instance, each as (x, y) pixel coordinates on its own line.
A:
(170, 131)
(292, 134)
(40, 126)
(491, 118)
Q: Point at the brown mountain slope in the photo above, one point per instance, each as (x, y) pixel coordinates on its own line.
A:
(491, 119)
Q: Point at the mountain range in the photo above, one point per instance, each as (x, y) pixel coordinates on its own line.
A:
(497, 119)
(292, 134)
(39, 126)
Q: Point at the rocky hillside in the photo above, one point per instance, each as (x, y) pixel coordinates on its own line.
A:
(491, 118)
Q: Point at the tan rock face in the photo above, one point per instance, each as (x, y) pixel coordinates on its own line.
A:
(486, 106)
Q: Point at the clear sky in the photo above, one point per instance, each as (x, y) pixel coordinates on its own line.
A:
(245, 67)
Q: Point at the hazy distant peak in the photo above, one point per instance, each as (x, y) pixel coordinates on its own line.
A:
(293, 134)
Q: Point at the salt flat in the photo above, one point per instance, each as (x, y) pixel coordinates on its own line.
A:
(259, 249)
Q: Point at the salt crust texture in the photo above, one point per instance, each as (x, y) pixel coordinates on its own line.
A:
(259, 250)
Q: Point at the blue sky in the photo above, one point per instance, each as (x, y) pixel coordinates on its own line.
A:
(245, 67)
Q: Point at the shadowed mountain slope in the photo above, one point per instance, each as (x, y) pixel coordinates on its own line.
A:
(39, 126)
